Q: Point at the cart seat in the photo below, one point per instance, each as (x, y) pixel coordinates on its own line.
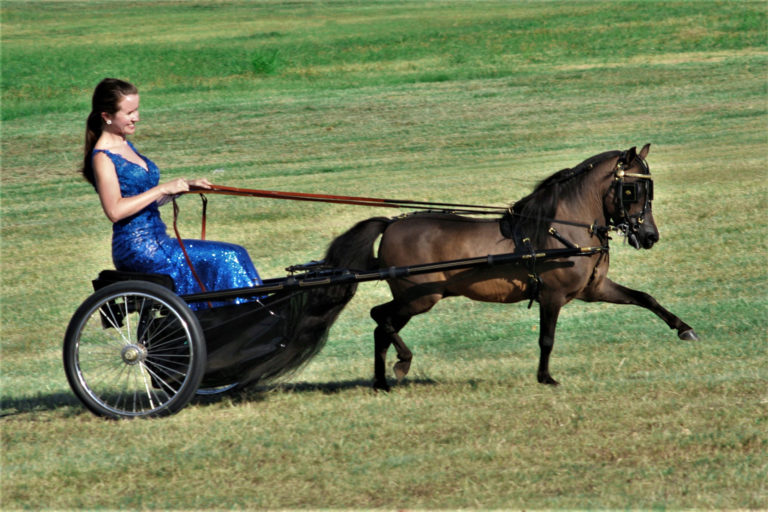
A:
(109, 276)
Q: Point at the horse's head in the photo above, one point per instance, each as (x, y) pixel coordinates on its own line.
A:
(628, 201)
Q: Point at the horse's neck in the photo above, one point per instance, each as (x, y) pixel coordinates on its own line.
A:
(586, 208)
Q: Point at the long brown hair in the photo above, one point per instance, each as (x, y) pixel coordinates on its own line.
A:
(106, 98)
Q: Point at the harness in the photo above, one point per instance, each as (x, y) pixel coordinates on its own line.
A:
(625, 194)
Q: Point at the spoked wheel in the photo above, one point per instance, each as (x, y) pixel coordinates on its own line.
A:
(134, 349)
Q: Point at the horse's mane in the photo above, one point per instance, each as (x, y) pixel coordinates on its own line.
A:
(531, 216)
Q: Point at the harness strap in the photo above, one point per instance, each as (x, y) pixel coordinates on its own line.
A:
(593, 275)
(560, 238)
(184, 249)
(534, 281)
(593, 228)
(205, 215)
(533, 275)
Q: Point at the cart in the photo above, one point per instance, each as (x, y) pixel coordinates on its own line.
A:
(135, 348)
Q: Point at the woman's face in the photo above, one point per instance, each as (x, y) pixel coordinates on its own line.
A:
(125, 119)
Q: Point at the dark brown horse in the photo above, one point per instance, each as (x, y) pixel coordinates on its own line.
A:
(573, 207)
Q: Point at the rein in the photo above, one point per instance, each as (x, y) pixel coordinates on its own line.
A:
(471, 209)
(354, 200)
(302, 196)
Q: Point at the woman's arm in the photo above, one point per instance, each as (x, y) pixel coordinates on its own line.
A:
(117, 207)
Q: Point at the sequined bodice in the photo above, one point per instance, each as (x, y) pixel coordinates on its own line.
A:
(134, 180)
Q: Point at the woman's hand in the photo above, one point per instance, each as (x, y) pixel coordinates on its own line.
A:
(199, 183)
(173, 187)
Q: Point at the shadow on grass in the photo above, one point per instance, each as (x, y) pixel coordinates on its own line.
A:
(10, 406)
(260, 393)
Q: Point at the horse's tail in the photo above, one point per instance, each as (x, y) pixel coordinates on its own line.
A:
(310, 313)
(354, 249)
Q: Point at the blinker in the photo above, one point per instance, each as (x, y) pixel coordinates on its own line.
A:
(629, 192)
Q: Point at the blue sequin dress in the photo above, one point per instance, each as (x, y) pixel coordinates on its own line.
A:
(140, 243)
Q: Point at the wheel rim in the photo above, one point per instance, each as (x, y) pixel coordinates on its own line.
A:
(133, 354)
(217, 390)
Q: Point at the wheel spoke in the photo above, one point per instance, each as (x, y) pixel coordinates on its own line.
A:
(148, 390)
(112, 320)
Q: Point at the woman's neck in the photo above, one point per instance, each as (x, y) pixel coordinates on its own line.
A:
(111, 141)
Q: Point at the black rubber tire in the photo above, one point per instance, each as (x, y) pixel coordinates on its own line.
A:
(134, 349)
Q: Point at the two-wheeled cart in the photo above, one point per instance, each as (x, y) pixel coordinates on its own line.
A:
(136, 349)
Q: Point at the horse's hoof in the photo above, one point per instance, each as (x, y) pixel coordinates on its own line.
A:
(547, 379)
(689, 335)
(381, 386)
(401, 369)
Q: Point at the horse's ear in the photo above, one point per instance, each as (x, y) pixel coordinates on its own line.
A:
(644, 151)
(629, 155)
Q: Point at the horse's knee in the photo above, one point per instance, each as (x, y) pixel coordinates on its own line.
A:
(387, 317)
(379, 314)
(546, 343)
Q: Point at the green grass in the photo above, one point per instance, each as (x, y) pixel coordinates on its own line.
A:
(445, 101)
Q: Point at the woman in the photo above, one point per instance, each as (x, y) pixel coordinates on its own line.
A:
(130, 192)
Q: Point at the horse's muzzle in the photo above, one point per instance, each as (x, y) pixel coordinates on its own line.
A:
(651, 239)
(642, 239)
(641, 235)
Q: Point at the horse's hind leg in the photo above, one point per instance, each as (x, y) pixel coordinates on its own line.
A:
(404, 355)
(389, 324)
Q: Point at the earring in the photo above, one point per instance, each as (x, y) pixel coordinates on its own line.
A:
(109, 122)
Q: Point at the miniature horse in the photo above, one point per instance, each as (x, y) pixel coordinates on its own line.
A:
(573, 207)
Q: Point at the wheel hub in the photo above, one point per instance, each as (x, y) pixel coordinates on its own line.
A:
(133, 354)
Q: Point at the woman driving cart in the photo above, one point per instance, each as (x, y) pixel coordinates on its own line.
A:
(130, 191)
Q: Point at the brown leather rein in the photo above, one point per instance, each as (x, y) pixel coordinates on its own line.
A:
(354, 200)
(324, 198)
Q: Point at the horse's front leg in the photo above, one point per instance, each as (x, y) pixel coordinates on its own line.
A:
(618, 294)
(549, 310)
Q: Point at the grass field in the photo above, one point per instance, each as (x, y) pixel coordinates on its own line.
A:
(445, 101)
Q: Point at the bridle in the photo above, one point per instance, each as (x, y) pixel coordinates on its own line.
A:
(625, 194)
